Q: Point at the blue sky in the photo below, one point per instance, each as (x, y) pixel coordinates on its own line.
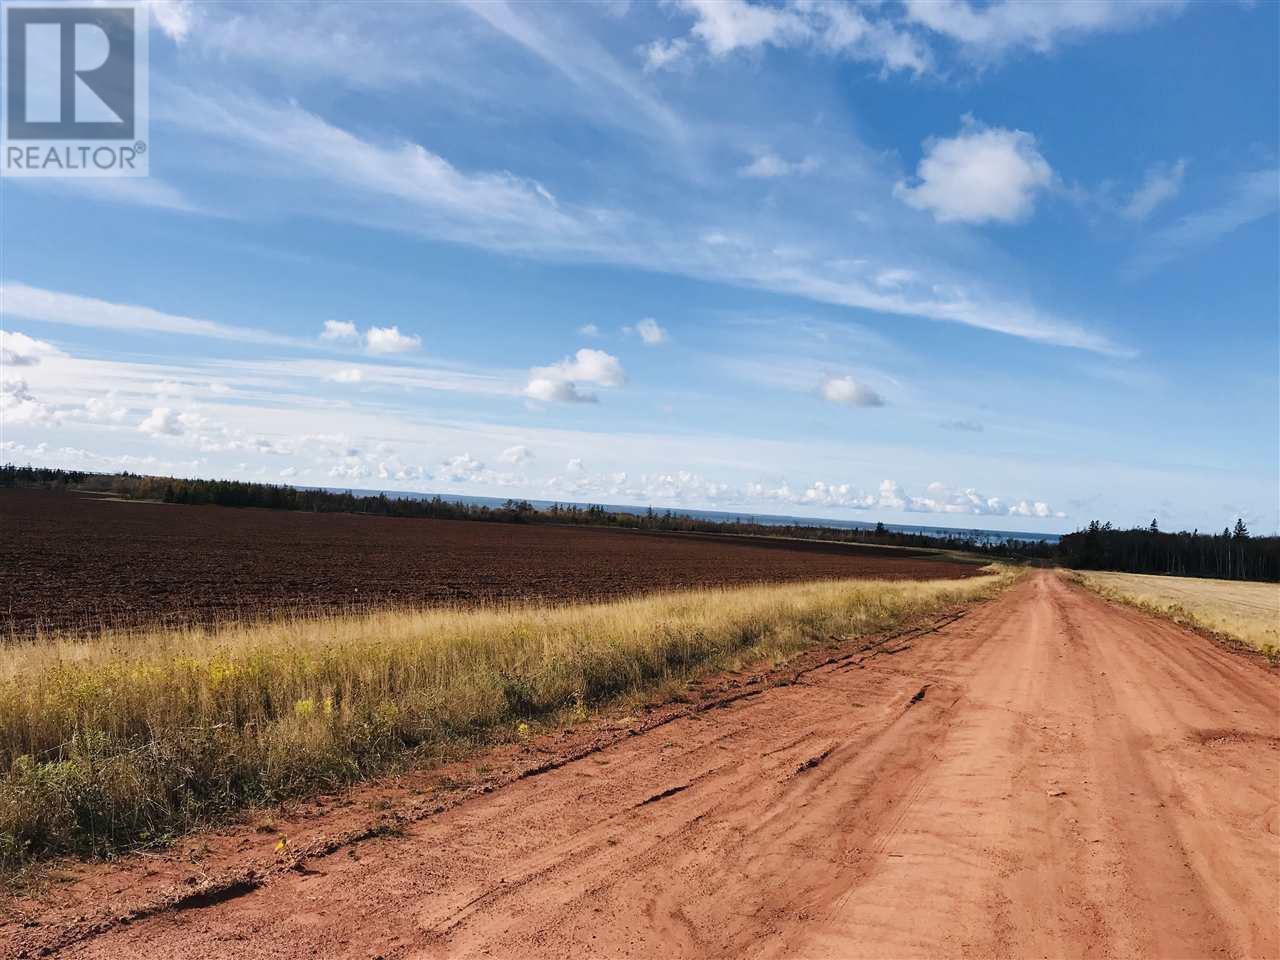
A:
(1009, 266)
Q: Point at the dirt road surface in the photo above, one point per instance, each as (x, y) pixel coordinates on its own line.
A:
(1048, 776)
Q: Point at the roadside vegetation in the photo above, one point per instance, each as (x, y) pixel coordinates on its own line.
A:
(130, 738)
(1248, 612)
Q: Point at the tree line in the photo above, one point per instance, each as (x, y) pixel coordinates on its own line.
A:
(1230, 555)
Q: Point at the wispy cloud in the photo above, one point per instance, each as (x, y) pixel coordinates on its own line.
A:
(584, 62)
(425, 194)
(770, 166)
(135, 191)
(1162, 183)
(723, 27)
(48, 306)
(1250, 197)
(1005, 26)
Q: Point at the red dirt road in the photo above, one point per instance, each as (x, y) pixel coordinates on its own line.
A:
(1048, 776)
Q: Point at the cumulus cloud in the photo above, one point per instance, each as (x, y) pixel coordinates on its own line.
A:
(559, 382)
(163, 421)
(516, 454)
(19, 350)
(589, 330)
(848, 392)
(107, 408)
(1162, 184)
(769, 166)
(390, 340)
(556, 391)
(981, 175)
(339, 330)
(890, 495)
(575, 465)
(461, 468)
(19, 406)
(649, 331)
(379, 340)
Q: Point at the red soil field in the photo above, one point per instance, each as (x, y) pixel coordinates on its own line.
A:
(74, 561)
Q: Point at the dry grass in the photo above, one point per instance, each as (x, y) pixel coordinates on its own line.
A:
(130, 738)
(1246, 611)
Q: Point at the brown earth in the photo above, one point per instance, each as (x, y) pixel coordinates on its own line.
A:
(1049, 775)
(70, 561)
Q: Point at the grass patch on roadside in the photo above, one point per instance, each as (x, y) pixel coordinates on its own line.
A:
(127, 739)
(1245, 611)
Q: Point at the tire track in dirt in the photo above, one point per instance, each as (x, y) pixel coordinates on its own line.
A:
(1079, 779)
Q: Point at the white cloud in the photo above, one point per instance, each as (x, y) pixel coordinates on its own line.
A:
(768, 166)
(461, 468)
(556, 391)
(390, 340)
(19, 406)
(850, 393)
(347, 375)
(516, 454)
(725, 26)
(574, 465)
(1000, 27)
(893, 279)
(1161, 185)
(411, 182)
(558, 382)
(982, 174)
(664, 53)
(1252, 196)
(137, 191)
(890, 495)
(339, 330)
(175, 18)
(590, 366)
(107, 409)
(649, 331)
(20, 300)
(405, 187)
(378, 340)
(288, 472)
(1039, 508)
(162, 420)
(19, 350)
(589, 330)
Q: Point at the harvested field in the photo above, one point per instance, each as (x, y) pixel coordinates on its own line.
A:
(1245, 610)
(70, 561)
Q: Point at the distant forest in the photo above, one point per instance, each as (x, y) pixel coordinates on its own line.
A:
(1230, 555)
